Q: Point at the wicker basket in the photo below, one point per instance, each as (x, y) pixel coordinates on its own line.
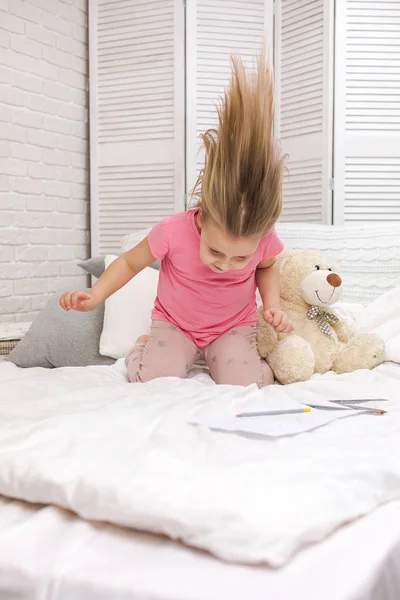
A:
(10, 335)
(6, 346)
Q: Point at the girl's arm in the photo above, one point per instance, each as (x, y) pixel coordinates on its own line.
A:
(267, 278)
(122, 270)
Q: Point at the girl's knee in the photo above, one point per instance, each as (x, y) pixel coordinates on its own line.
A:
(140, 374)
(230, 379)
(245, 374)
(242, 377)
(150, 370)
(145, 375)
(144, 365)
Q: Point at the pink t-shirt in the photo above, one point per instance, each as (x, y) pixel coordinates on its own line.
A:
(203, 304)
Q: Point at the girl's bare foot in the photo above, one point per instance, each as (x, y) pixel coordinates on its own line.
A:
(142, 338)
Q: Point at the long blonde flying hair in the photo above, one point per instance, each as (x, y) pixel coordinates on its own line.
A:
(240, 187)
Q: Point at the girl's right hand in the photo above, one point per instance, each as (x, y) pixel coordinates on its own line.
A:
(81, 301)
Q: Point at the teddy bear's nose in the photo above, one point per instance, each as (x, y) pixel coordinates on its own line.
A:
(334, 280)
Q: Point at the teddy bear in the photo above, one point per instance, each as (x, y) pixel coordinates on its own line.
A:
(321, 340)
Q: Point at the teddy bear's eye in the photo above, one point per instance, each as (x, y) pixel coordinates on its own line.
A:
(330, 269)
(317, 267)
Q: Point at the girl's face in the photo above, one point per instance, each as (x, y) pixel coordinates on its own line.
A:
(222, 252)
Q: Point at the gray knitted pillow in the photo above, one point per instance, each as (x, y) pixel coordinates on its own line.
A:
(95, 266)
(62, 339)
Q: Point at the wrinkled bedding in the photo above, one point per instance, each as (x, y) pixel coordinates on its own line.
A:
(86, 440)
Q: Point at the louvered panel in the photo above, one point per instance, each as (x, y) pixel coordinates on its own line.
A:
(303, 54)
(137, 116)
(132, 198)
(216, 29)
(302, 192)
(372, 66)
(367, 101)
(372, 189)
(301, 72)
(130, 32)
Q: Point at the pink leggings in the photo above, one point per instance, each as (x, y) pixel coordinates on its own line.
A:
(232, 358)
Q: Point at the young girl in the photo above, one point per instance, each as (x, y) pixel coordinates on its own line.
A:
(214, 256)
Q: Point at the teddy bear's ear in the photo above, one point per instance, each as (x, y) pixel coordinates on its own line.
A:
(284, 258)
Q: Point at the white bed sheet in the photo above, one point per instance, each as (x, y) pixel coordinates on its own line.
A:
(88, 441)
(47, 553)
(53, 554)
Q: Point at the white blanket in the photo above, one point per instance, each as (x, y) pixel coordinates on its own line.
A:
(87, 440)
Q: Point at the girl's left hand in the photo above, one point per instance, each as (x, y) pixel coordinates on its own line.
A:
(278, 320)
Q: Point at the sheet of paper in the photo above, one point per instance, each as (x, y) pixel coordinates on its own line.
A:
(13, 331)
(277, 425)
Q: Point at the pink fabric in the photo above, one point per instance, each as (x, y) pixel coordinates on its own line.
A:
(232, 358)
(203, 304)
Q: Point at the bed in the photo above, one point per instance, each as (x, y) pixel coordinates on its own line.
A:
(46, 552)
(90, 465)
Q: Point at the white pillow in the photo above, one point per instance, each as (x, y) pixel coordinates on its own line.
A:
(133, 239)
(127, 313)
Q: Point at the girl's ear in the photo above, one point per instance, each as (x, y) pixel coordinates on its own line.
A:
(200, 218)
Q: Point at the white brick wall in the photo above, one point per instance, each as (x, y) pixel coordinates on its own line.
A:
(43, 152)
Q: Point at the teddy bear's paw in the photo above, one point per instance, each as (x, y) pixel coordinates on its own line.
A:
(363, 351)
(292, 360)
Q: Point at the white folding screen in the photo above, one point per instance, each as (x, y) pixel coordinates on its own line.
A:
(136, 115)
(367, 111)
(304, 105)
(139, 105)
(215, 29)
